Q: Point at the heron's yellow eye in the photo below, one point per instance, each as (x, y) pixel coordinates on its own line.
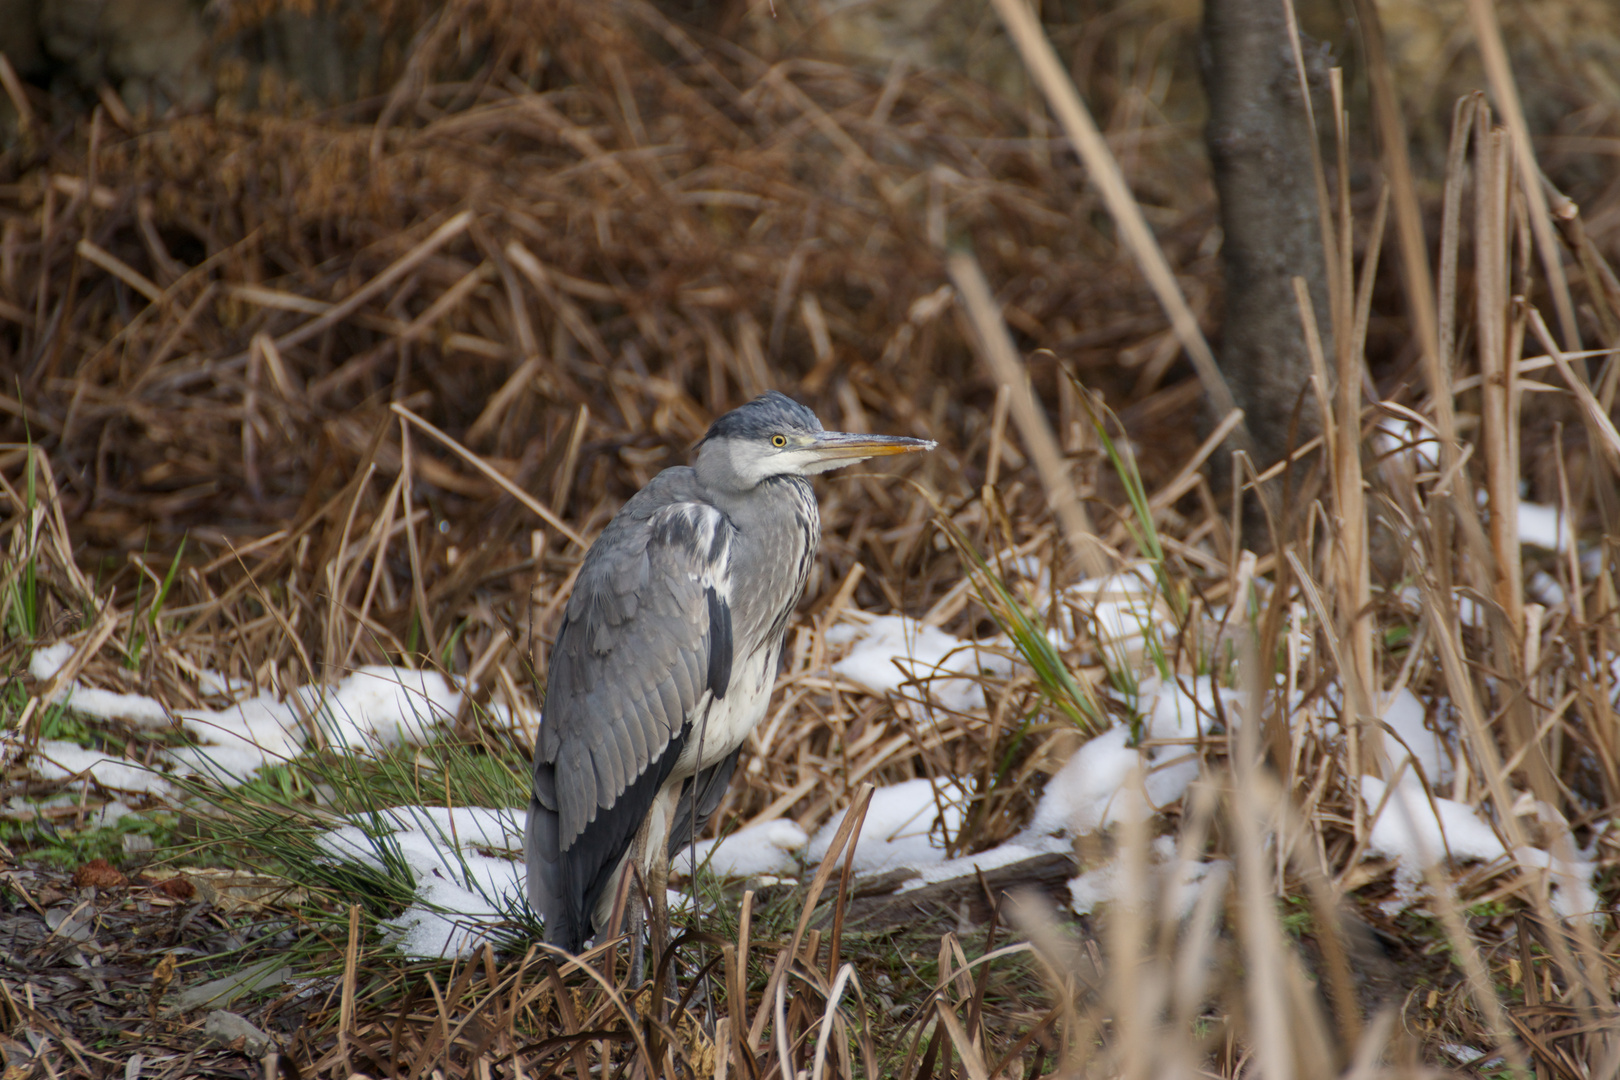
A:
(778, 440)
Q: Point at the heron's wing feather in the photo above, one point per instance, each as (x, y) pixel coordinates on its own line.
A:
(640, 645)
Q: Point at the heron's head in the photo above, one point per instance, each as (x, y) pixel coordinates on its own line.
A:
(773, 435)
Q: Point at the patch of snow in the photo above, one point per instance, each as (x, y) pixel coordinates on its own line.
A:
(889, 651)
(905, 828)
(1098, 786)
(1570, 893)
(49, 659)
(766, 848)
(374, 706)
(1090, 791)
(1399, 441)
(1419, 834)
(1173, 884)
(110, 814)
(460, 891)
(1029, 567)
(215, 684)
(137, 709)
(1186, 709)
(1463, 1055)
(1543, 527)
(21, 806)
(1404, 714)
(448, 919)
(1573, 869)
(524, 719)
(380, 705)
(1545, 589)
(241, 739)
(57, 759)
(1416, 835)
(1095, 789)
(224, 764)
(1094, 888)
(1121, 611)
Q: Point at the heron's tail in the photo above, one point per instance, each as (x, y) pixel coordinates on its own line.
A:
(547, 894)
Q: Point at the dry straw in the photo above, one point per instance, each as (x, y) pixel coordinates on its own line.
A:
(390, 367)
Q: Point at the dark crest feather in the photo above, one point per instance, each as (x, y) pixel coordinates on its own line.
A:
(769, 414)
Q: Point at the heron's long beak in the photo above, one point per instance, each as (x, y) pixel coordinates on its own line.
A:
(846, 448)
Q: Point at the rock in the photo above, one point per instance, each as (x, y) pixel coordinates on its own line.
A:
(263, 975)
(66, 923)
(19, 36)
(226, 1028)
(154, 51)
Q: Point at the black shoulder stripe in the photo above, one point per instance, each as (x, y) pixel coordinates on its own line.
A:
(719, 643)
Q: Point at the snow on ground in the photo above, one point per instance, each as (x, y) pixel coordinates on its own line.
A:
(460, 891)
(57, 759)
(102, 704)
(1404, 714)
(1091, 791)
(467, 866)
(374, 706)
(521, 718)
(381, 705)
(463, 884)
(1543, 527)
(1175, 884)
(900, 828)
(1121, 612)
(1544, 589)
(49, 659)
(1416, 832)
(770, 847)
(1105, 782)
(888, 651)
(1401, 442)
(241, 739)
(1571, 893)
(1096, 789)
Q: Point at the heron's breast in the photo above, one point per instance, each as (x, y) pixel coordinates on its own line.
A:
(731, 718)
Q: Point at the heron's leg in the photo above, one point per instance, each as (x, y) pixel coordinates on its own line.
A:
(657, 879)
(637, 926)
(635, 908)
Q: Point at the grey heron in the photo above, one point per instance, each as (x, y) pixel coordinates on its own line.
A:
(667, 653)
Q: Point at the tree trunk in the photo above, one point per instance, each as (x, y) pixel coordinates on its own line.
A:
(1259, 143)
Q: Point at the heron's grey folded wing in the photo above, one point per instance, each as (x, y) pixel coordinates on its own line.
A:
(632, 661)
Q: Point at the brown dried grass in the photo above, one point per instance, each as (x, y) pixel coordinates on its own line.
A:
(571, 268)
(216, 327)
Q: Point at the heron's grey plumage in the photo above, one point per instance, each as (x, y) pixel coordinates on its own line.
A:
(668, 650)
